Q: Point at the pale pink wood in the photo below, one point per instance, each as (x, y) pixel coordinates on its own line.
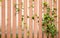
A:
(35, 18)
(3, 19)
(45, 0)
(55, 6)
(25, 18)
(40, 18)
(30, 18)
(58, 18)
(45, 7)
(45, 12)
(50, 4)
(9, 18)
(14, 19)
(19, 19)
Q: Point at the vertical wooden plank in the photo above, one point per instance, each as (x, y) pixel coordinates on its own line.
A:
(25, 18)
(14, 19)
(55, 7)
(58, 18)
(40, 18)
(45, 7)
(35, 18)
(9, 18)
(3, 19)
(45, 36)
(30, 18)
(19, 19)
(50, 4)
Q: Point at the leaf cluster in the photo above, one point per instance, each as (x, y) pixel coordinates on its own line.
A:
(48, 22)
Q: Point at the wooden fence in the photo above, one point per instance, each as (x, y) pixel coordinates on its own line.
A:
(16, 19)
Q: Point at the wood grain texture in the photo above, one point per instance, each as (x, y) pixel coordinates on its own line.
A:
(35, 18)
(30, 18)
(58, 18)
(45, 36)
(25, 18)
(55, 6)
(20, 19)
(8, 18)
(14, 19)
(3, 19)
(40, 18)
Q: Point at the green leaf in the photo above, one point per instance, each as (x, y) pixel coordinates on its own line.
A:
(22, 18)
(0, 0)
(48, 9)
(33, 17)
(17, 9)
(45, 4)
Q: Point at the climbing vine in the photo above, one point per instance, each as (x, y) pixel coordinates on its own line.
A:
(48, 22)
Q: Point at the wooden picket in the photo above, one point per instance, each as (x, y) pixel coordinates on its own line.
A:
(19, 19)
(9, 19)
(54, 7)
(50, 4)
(3, 19)
(45, 12)
(58, 18)
(33, 20)
(14, 20)
(30, 18)
(40, 18)
(25, 18)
